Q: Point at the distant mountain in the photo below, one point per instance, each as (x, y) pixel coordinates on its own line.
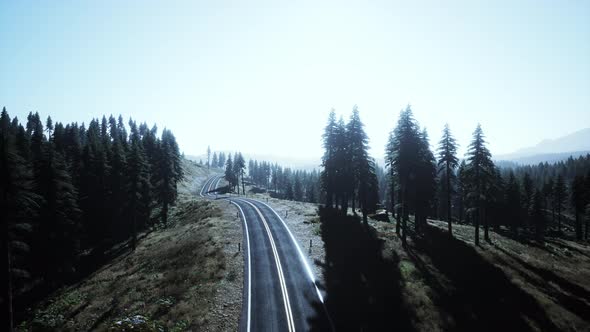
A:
(552, 150)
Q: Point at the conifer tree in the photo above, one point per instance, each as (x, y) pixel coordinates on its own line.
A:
(229, 171)
(215, 161)
(579, 203)
(480, 172)
(560, 194)
(537, 215)
(18, 204)
(328, 176)
(527, 192)
(513, 206)
(403, 155)
(358, 155)
(447, 162)
(208, 157)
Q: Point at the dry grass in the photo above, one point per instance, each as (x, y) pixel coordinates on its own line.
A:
(450, 284)
(171, 282)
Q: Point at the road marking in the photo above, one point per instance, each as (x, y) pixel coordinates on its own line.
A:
(249, 266)
(290, 322)
(304, 260)
(301, 256)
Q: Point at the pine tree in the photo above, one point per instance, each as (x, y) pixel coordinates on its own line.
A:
(208, 157)
(19, 204)
(480, 169)
(215, 161)
(548, 197)
(229, 171)
(139, 187)
(221, 161)
(579, 203)
(425, 181)
(297, 188)
(239, 169)
(168, 174)
(537, 215)
(462, 188)
(57, 229)
(328, 176)
(447, 162)
(513, 206)
(402, 154)
(527, 192)
(560, 193)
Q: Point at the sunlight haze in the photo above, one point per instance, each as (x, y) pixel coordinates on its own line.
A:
(261, 77)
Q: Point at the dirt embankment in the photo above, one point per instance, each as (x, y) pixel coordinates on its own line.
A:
(186, 277)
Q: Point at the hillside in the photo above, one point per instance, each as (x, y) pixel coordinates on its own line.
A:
(187, 276)
(438, 283)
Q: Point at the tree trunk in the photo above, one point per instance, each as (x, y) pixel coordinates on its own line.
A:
(134, 230)
(559, 219)
(449, 199)
(486, 234)
(9, 325)
(405, 216)
(578, 226)
(165, 213)
(353, 205)
(392, 195)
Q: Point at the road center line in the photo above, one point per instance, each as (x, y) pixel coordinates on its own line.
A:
(290, 322)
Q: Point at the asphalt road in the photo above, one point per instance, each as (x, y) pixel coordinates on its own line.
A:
(280, 292)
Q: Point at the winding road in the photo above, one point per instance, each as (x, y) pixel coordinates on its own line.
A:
(280, 292)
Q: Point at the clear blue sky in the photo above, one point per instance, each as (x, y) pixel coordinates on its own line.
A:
(262, 76)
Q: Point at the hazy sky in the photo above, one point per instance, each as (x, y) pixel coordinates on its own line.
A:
(262, 76)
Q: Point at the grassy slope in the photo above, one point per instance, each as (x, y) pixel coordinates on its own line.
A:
(449, 284)
(172, 280)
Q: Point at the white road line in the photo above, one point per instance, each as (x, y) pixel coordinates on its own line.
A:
(301, 255)
(305, 263)
(249, 266)
(287, 303)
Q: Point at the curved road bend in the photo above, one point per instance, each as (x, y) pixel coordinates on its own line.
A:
(279, 285)
(210, 184)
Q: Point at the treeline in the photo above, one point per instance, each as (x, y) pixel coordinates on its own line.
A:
(218, 161)
(562, 187)
(349, 174)
(70, 192)
(284, 182)
(425, 185)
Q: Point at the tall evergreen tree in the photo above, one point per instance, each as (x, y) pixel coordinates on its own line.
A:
(208, 157)
(215, 161)
(481, 170)
(18, 204)
(513, 206)
(328, 175)
(403, 153)
(447, 162)
(537, 215)
(578, 203)
(229, 171)
(560, 194)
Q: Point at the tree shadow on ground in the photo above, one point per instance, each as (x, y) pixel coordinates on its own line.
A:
(569, 295)
(477, 295)
(363, 290)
